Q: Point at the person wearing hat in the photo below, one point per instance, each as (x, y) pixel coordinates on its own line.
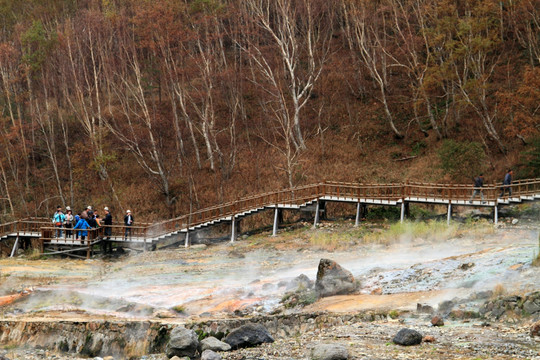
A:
(68, 222)
(107, 222)
(128, 222)
(58, 221)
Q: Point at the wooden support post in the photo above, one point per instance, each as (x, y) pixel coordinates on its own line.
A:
(233, 229)
(496, 213)
(187, 240)
(449, 215)
(357, 220)
(402, 217)
(15, 246)
(276, 221)
(88, 250)
(316, 221)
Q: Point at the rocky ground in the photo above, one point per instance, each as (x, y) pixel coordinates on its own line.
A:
(478, 278)
(373, 340)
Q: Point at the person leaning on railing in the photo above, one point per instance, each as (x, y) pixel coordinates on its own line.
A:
(68, 222)
(128, 222)
(507, 181)
(83, 225)
(107, 222)
(58, 221)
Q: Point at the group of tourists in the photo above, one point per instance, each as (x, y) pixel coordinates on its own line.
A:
(479, 184)
(77, 226)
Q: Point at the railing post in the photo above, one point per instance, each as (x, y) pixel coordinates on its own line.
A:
(186, 245)
(402, 216)
(496, 212)
(449, 215)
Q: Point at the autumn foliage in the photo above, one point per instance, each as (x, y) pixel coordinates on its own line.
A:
(167, 106)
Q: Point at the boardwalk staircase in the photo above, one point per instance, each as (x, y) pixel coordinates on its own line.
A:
(307, 198)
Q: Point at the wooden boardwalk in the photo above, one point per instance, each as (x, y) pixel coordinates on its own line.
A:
(308, 198)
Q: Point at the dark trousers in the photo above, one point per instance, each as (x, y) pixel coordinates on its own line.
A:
(509, 189)
(69, 232)
(127, 232)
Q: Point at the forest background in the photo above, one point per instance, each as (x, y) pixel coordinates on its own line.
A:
(168, 106)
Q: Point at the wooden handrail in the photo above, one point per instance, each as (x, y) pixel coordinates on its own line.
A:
(301, 195)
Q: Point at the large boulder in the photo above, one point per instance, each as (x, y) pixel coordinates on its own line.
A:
(183, 342)
(248, 335)
(211, 343)
(407, 337)
(329, 352)
(332, 279)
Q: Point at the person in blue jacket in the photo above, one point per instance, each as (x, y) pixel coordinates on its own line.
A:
(507, 181)
(83, 225)
(58, 221)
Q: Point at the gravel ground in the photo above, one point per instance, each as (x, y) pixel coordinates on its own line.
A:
(373, 340)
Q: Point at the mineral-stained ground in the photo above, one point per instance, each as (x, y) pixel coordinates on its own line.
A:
(478, 278)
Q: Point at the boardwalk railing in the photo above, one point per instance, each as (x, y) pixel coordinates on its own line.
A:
(293, 198)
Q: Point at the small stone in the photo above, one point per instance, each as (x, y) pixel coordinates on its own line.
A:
(211, 343)
(515, 221)
(428, 339)
(175, 358)
(422, 308)
(531, 307)
(329, 352)
(437, 321)
(407, 337)
(210, 355)
(535, 329)
(377, 291)
(108, 358)
(466, 266)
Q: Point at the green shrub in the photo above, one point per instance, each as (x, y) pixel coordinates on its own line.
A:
(384, 212)
(460, 159)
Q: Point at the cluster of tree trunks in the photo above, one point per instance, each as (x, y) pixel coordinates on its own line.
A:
(187, 88)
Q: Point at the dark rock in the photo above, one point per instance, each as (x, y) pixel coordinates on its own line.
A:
(531, 307)
(482, 295)
(535, 329)
(236, 254)
(248, 335)
(332, 279)
(183, 342)
(463, 314)
(210, 355)
(211, 343)
(446, 306)
(407, 337)
(437, 321)
(512, 299)
(466, 266)
(421, 308)
(300, 282)
(329, 352)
